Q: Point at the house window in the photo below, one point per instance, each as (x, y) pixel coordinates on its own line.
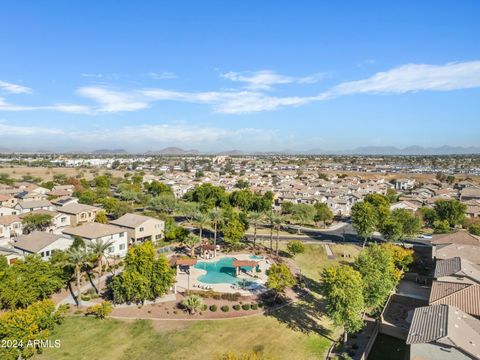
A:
(82, 216)
(141, 229)
(111, 249)
(47, 253)
(122, 234)
(63, 219)
(42, 254)
(157, 237)
(121, 247)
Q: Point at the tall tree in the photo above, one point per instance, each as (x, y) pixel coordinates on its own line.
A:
(192, 241)
(377, 268)
(342, 289)
(280, 278)
(97, 250)
(322, 213)
(216, 217)
(77, 260)
(36, 222)
(255, 218)
(364, 219)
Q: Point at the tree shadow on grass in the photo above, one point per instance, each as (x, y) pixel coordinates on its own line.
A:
(307, 314)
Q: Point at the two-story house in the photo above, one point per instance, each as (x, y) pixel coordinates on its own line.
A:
(79, 213)
(93, 232)
(141, 228)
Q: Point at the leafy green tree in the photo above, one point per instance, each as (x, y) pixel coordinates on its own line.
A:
(391, 195)
(156, 188)
(280, 278)
(101, 217)
(429, 216)
(408, 221)
(364, 219)
(441, 226)
(145, 276)
(451, 210)
(287, 208)
(242, 199)
(322, 213)
(115, 207)
(24, 326)
(262, 203)
(88, 197)
(36, 222)
(377, 268)
(303, 213)
(164, 203)
(233, 231)
(242, 184)
(381, 206)
(392, 230)
(101, 181)
(27, 281)
(474, 229)
(207, 196)
(342, 288)
(295, 247)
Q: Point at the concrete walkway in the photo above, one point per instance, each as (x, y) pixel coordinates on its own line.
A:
(329, 251)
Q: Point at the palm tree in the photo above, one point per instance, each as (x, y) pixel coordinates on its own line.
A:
(77, 259)
(97, 250)
(277, 223)
(193, 303)
(216, 216)
(201, 221)
(271, 221)
(255, 218)
(191, 241)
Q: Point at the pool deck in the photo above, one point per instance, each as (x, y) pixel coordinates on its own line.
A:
(182, 278)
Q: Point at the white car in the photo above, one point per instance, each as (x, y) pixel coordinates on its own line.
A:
(426, 236)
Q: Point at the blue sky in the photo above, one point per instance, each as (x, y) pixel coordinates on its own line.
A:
(249, 75)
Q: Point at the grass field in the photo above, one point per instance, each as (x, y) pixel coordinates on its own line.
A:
(88, 338)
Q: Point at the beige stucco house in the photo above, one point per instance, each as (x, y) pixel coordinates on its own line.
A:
(141, 228)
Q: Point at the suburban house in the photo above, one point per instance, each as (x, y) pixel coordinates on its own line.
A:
(459, 238)
(24, 206)
(10, 254)
(443, 332)
(464, 296)
(457, 270)
(10, 226)
(141, 228)
(59, 220)
(93, 232)
(79, 213)
(7, 200)
(470, 193)
(64, 200)
(467, 252)
(5, 211)
(41, 243)
(404, 204)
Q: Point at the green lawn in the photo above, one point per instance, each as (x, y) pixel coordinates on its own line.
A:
(314, 259)
(88, 338)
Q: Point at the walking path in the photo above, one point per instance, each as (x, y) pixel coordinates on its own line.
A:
(329, 251)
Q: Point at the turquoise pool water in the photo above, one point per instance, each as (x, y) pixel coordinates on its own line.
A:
(256, 257)
(219, 272)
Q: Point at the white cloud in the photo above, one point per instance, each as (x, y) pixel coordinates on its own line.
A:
(89, 75)
(265, 79)
(13, 130)
(112, 101)
(416, 77)
(162, 75)
(67, 108)
(14, 88)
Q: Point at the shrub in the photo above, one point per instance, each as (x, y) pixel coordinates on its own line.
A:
(236, 307)
(260, 305)
(254, 306)
(225, 308)
(78, 312)
(231, 297)
(204, 307)
(213, 308)
(100, 311)
(295, 247)
(246, 306)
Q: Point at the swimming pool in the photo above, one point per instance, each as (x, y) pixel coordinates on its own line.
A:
(218, 272)
(256, 257)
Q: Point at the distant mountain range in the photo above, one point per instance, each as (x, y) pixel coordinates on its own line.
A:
(363, 150)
